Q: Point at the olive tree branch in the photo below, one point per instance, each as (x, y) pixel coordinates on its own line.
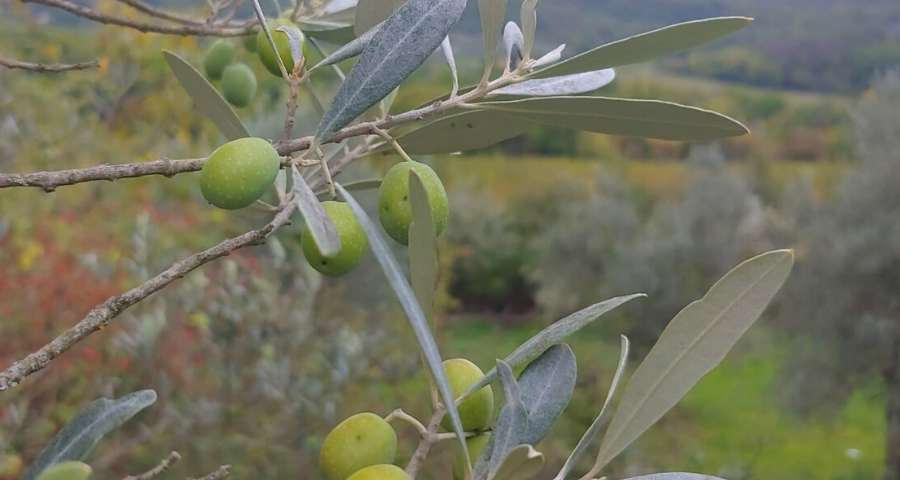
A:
(185, 30)
(158, 470)
(98, 318)
(429, 438)
(47, 67)
(163, 14)
(217, 474)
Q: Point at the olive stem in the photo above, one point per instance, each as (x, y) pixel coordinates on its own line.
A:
(388, 138)
(399, 414)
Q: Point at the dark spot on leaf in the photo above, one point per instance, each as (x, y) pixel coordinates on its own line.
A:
(452, 125)
(324, 262)
(469, 125)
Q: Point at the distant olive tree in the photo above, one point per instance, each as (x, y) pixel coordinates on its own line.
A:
(846, 293)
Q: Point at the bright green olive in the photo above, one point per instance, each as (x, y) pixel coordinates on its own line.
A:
(381, 472)
(217, 58)
(353, 242)
(239, 173)
(475, 445)
(250, 43)
(239, 85)
(394, 208)
(267, 54)
(477, 410)
(358, 442)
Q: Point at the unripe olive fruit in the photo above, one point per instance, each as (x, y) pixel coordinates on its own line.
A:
(381, 472)
(353, 242)
(360, 441)
(475, 445)
(249, 43)
(217, 58)
(394, 208)
(477, 410)
(267, 54)
(239, 173)
(239, 85)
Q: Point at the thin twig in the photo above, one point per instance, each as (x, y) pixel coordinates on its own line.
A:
(158, 470)
(163, 14)
(217, 474)
(100, 316)
(428, 440)
(399, 414)
(388, 138)
(185, 30)
(48, 67)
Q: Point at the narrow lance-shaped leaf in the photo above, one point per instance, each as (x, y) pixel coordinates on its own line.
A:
(295, 42)
(207, 99)
(647, 46)
(675, 476)
(618, 116)
(414, 314)
(513, 44)
(422, 247)
(337, 33)
(693, 343)
(552, 335)
(529, 25)
(350, 50)
(466, 131)
(551, 57)
(447, 51)
(317, 221)
(492, 13)
(522, 463)
(545, 387)
(512, 423)
(602, 417)
(71, 470)
(403, 43)
(81, 433)
(555, 86)
(370, 13)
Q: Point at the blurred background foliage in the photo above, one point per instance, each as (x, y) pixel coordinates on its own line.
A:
(255, 357)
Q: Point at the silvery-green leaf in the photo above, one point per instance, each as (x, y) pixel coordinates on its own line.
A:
(674, 476)
(552, 335)
(554, 86)
(447, 50)
(71, 470)
(647, 46)
(602, 417)
(512, 423)
(295, 42)
(552, 57)
(403, 43)
(370, 13)
(693, 343)
(414, 314)
(513, 44)
(337, 33)
(80, 435)
(618, 116)
(317, 221)
(492, 13)
(545, 387)
(466, 131)
(522, 463)
(529, 24)
(422, 247)
(207, 99)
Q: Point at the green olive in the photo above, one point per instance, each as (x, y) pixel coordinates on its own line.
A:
(239, 173)
(217, 58)
(267, 54)
(394, 209)
(250, 43)
(477, 410)
(475, 445)
(353, 242)
(239, 85)
(358, 442)
(381, 472)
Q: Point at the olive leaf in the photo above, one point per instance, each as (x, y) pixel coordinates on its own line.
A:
(447, 51)
(295, 42)
(333, 32)
(492, 13)
(551, 57)
(80, 434)
(317, 221)
(522, 463)
(618, 116)
(674, 476)
(466, 131)
(552, 335)
(565, 85)
(602, 417)
(693, 343)
(207, 99)
(422, 247)
(545, 387)
(529, 25)
(370, 13)
(71, 470)
(414, 314)
(513, 44)
(512, 423)
(647, 46)
(404, 42)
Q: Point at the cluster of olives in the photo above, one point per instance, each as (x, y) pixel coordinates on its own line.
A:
(364, 446)
(238, 81)
(238, 173)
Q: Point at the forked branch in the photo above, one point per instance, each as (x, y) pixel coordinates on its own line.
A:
(47, 67)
